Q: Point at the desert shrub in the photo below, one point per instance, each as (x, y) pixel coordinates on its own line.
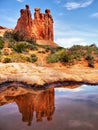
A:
(59, 48)
(1, 43)
(50, 48)
(41, 52)
(77, 55)
(89, 57)
(20, 47)
(17, 57)
(91, 63)
(31, 46)
(31, 40)
(33, 58)
(19, 35)
(27, 58)
(93, 45)
(76, 48)
(77, 52)
(33, 55)
(66, 58)
(6, 60)
(91, 49)
(8, 35)
(53, 58)
(16, 36)
(96, 51)
(12, 44)
(60, 55)
(90, 60)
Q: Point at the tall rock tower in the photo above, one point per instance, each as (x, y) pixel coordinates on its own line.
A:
(40, 28)
(24, 24)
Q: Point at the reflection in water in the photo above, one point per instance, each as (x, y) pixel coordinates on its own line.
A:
(41, 102)
(76, 108)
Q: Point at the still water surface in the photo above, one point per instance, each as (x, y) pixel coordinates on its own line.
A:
(70, 108)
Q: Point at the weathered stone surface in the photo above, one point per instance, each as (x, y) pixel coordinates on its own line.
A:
(41, 27)
(24, 24)
(32, 74)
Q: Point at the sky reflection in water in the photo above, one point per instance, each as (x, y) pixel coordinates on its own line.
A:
(70, 108)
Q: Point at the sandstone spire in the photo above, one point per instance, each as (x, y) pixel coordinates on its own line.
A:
(41, 27)
(24, 24)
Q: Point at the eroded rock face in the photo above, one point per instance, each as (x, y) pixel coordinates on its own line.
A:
(41, 27)
(24, 24)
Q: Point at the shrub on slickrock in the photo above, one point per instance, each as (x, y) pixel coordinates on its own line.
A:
(6, 60)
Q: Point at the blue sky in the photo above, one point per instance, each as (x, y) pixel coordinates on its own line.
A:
(75, 21)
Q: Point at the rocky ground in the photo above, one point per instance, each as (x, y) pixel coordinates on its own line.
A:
(40, 75)
(3, 30)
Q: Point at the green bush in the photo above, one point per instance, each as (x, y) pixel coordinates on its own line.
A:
(1, 43)
(60, 55)
(33, 58)
(20, 47)
(27, 58)
(91, 63)
(31, 41)
(90, 59)
(31, 46)
(50, 48)
(16, 36)
(6, 60)
(8, 35)
(19, 35)
(41, 52)
(53, 58)
(76, 48)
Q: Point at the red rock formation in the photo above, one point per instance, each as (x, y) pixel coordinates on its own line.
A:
(42, 103)
(24, 24)
(41, 27)
(2, 27)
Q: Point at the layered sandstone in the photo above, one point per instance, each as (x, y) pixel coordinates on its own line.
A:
(40, 28)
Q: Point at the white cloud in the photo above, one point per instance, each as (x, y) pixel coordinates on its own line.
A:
(76, 5)
(67, 34)
(68, 42)
(68, 89)
(94, 15)
(20, 0)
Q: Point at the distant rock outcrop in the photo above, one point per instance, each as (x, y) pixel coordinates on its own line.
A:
(3, 30)
(1, 27)
(40, 28)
